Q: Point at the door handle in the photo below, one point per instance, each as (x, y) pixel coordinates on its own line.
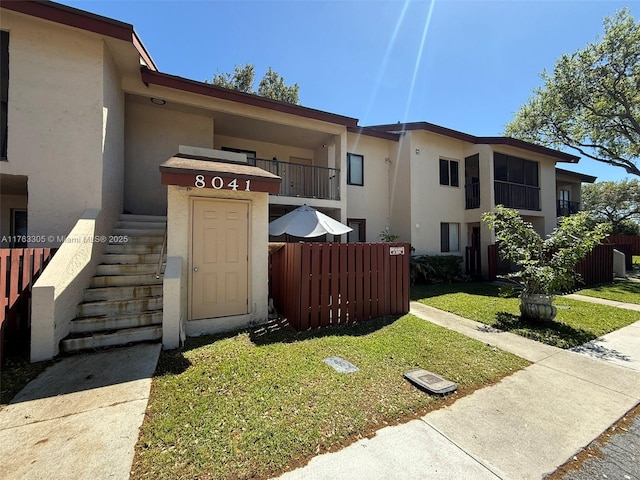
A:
(195, 269)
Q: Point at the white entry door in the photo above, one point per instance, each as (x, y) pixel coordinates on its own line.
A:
(219, 258)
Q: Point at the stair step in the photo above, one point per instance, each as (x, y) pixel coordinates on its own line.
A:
(129, 217)
(139, 232)
(122, 293)
(141, 269)
(141, 225)
(124, 280)
(130, 258)
(120, 337)
(138, 240)
(133, 248)
(119, 307)
(120, 322)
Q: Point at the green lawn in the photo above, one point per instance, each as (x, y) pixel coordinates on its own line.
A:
(626, 292)
(249, 406)
(576, 322)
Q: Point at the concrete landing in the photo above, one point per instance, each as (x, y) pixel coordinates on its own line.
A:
(80, 418)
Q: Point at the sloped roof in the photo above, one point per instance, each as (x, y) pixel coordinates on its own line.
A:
(514, 142)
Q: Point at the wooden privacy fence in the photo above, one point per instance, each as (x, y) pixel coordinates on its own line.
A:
(596, 268)
(19, 269)
(632, 240)
(321, 284)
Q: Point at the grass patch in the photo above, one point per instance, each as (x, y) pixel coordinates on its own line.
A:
(626, 292)
(15, 375)
(248, 406)
(576, 322)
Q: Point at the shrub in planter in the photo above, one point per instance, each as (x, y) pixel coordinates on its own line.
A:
(435, 269)
(546, 266)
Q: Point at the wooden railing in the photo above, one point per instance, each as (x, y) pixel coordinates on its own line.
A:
(19, 269)
(472, 196)
(564, 208)
(299, 180)
(321, 284)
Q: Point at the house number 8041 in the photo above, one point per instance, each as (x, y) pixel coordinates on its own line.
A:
(218, 183)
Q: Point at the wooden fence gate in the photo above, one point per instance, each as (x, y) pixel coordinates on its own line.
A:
(321, 284)
(19, 269)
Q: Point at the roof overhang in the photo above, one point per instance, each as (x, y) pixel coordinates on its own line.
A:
(580, 176)
(513, 142)
(372, 132)
(90, 22)
(209, 90)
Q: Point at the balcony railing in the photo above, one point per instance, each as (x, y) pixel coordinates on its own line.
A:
(299, 180)
(566, 208)
(472, 196)
(515, 195)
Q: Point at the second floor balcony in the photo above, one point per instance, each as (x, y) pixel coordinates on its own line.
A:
(302, 180)
(565, 208)
(515, 195)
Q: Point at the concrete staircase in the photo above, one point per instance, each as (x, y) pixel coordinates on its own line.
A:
(124, 301)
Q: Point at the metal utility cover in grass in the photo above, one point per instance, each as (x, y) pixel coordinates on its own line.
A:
(430, 381)
(340, 365)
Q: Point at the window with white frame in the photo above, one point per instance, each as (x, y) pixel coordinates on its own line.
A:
(449, 237)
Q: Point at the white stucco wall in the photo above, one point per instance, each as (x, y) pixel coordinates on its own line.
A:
(371, 201)
(55, 133)
(178, 245)
(152, 135)
(400, 190)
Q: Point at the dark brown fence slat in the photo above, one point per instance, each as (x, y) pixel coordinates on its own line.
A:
(351, 279)
(316, 279)
(335, 284)
(359, 281)
(325, 287)
(342, 318)
(366, 290)
(597, 267)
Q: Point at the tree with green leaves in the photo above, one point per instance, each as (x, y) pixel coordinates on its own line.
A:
(271, 86)
(617, 203)
(591, 101)
(546, 265)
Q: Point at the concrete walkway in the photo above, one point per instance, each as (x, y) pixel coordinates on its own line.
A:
(80, 418)
(523, 427)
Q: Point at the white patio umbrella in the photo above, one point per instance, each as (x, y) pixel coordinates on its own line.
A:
(307, 222)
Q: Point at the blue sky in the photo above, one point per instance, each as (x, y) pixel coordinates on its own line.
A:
(466, 65)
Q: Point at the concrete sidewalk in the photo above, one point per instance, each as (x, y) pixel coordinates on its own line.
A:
(523, 427)
(80, 418)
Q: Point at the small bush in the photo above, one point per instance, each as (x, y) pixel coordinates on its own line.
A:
(435, 269)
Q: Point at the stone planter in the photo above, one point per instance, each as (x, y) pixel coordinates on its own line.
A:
(537, 306)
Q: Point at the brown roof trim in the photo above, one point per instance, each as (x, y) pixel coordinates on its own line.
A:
(74, 17)
(144, 53)
(581, 176)
(200, 88)
(374, 133)
(514, 142)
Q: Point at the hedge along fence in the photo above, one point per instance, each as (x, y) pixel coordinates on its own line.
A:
(321, 284)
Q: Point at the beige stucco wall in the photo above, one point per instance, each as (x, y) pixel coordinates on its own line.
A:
(55, 118)
(400, 190)
(178, 245)
(265, 150)
(371, 201)
(153, 134)
(433, 203)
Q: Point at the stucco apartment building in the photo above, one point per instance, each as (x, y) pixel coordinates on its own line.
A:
(102, 155)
